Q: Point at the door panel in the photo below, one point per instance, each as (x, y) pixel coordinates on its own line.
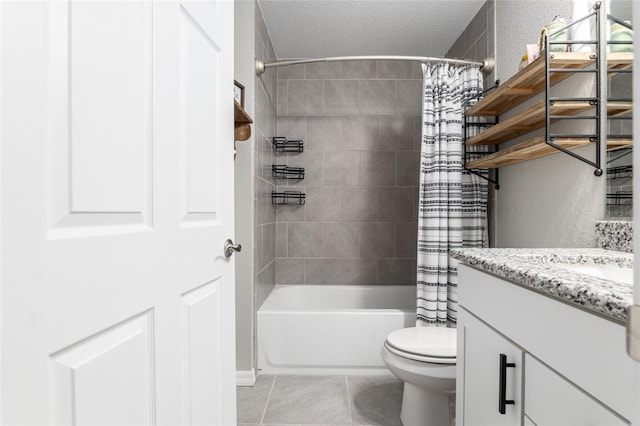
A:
(202, 348)
(99, 113)
(200, 86)
(106, 379)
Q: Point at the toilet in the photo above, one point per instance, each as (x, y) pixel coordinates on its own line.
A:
(424, 358)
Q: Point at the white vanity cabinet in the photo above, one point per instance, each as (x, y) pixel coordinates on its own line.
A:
(483, 388)
(565, 366)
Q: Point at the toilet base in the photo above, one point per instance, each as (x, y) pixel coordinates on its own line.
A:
(424, 408)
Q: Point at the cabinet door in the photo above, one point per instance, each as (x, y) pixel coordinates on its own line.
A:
(478, 375)
(551, 400)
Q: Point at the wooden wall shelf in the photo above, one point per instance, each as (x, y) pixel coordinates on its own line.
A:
(242, 123)
(536, 148)
(527, 83)
(534, 118)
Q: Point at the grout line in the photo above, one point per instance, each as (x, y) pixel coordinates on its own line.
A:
(264, 412)
(346, 381)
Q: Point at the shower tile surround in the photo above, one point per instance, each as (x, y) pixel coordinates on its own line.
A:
(361, 125)
(264, 128)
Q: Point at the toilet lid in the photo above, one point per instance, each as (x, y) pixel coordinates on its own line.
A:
(430, 344)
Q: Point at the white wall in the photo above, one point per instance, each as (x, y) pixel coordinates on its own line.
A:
(552, 201)
(244, 190)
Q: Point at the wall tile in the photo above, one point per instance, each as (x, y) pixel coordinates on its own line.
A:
(417, 132)
(417, 71)
(377, 240)
(263, 194)
(270, 248)
(408, 168)
(340, 240)
(377, 96)
(281, 240)
(341, 168)
(312, 161)
(291, 212)
(292, 128)
(395, 204)
(481, 47)
(409, 97)
(289, 271)
(395, 69)
(395, 133)
(305, 239)
(359, 132)
(267, 160)
(377, 168)
(359, 69)
(394, 271)
(282, 90)
(291, 72)
(324, 70)
(359, 204)
(477, 26)
(359, 271)
(305, 97)
(322, 271)
(258, 261)
(324, 204)
(323, 133)
(341, 97)
(406, 239)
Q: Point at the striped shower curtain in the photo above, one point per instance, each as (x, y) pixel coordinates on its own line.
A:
(453, 202)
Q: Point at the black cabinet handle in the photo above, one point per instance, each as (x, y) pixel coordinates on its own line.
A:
(502, 391)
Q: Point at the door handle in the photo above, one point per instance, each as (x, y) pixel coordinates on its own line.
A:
(229, 248)
(502, 391)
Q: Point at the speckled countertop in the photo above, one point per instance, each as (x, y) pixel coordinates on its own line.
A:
(541, 269)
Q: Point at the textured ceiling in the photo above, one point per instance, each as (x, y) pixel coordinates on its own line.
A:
(323, 28)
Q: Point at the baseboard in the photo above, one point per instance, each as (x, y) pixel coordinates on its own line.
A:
(246, 378)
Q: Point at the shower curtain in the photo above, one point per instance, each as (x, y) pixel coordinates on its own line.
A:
(453, 202)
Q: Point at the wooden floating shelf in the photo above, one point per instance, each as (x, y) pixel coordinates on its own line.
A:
(536, 148)
(242, 121)
(528, 82)
(531, 80)
(534, 118)
(620, 60)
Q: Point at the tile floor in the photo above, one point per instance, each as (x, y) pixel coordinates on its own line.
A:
(321, 401)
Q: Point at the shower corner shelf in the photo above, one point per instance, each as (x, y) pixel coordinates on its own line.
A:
(282, 144)
(288, 197)
(287, 172)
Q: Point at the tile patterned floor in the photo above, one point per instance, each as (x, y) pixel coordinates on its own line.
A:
(296, 400)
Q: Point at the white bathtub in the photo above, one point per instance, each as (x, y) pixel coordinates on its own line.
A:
(330, 329)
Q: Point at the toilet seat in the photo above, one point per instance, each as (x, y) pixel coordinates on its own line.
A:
(426, 344)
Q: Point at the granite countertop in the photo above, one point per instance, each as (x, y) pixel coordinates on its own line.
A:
(541, 269)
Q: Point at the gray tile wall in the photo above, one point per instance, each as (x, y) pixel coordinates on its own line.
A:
(264, 129)
(361, 124)
(478, 40)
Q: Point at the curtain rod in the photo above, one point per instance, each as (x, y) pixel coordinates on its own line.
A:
(486, 66)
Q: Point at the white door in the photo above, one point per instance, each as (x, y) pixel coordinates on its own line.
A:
(116, 199)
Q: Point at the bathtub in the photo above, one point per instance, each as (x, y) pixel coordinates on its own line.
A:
(330, 329)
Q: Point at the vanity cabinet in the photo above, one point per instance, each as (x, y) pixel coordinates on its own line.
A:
(570, 366)
(551, 399)
(483, 388)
